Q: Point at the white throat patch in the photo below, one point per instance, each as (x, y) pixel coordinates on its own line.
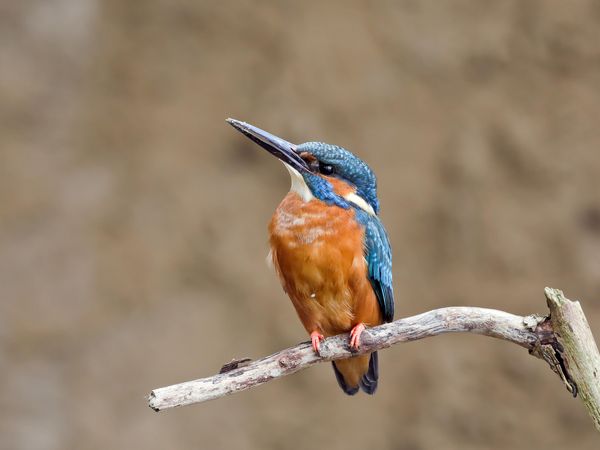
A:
(299, 186)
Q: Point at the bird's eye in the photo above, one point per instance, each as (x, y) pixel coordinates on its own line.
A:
(326, 169)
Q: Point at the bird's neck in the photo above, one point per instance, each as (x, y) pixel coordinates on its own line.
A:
(330, 190)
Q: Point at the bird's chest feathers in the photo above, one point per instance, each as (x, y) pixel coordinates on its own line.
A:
(315, 248)
(307, 226)
(318, 252)
(303, 227)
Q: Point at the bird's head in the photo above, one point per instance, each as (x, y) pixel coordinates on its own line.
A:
(327, 172)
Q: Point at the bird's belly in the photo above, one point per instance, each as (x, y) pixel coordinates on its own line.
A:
(317, 284)
(319, 258)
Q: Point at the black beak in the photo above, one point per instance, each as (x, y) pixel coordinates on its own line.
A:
(284, 150)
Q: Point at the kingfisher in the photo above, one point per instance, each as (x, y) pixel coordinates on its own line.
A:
(330, 249)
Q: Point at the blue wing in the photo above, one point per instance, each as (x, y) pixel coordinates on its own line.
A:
(378, 254)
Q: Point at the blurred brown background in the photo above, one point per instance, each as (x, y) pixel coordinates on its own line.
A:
(133, 218)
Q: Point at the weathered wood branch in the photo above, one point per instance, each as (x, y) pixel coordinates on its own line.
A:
(578, 350)
(563, 339)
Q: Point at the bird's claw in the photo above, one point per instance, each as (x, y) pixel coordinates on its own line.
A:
(355, 335)
(316, 338)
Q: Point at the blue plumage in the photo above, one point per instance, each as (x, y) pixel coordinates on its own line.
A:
(322, 189)
(378, 254)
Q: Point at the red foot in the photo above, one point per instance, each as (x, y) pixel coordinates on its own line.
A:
(316, 339)
(355, 335)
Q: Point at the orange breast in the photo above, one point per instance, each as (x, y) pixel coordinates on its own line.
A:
(317, 251)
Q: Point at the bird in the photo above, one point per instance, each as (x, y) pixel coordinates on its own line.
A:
(329, 248)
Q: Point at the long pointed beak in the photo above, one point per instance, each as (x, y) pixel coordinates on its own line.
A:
(282, 149)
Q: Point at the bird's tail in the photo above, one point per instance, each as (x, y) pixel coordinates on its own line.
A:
(360, 372)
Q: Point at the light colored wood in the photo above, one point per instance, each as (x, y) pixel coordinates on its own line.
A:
(579, 350)
(563, 340)
(445, 320)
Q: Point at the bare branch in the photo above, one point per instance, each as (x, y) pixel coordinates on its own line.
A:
(535, 333)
